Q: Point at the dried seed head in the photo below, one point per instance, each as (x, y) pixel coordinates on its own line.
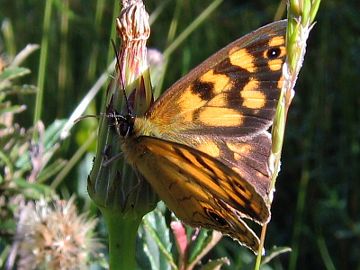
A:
(134, 30)
(55, 237)
(133, 22)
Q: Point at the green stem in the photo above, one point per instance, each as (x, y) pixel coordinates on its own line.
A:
(42, 64)
(300, 208)
(122, 231)
(116, 12)
(327, 259)
(64, 58)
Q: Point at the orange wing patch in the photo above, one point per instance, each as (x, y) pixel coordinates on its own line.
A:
(251, 85)
(209, 147)
(239, 150)
(243, 59)
(188, 101)
(275, 65)
(253, 99)
(219, 100)
(277, 41)
(219, 82)
(220, 117)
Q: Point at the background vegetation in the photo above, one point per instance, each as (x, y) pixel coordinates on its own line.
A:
(317, 200)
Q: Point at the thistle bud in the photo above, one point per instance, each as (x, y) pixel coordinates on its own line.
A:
(114, 186)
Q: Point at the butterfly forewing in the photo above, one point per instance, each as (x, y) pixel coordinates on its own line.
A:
(233, 93)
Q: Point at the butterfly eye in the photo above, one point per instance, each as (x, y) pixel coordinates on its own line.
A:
(215, 217)
(273, 53)
(124, 128)
(126, 125)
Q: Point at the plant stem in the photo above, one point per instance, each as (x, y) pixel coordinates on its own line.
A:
(300, 207)
(300, 21)
(42, 64)
(122, 231)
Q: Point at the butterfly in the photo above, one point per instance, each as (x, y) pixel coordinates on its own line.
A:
(204, 145)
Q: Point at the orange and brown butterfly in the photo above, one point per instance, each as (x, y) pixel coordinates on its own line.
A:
(204, 145)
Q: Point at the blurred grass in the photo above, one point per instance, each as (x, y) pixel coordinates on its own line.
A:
(317, 203)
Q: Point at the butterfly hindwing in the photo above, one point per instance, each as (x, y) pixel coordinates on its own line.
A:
(249, 157)
(199, 189)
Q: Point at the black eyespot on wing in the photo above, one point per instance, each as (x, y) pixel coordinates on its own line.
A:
(215, 217)
(273, 53)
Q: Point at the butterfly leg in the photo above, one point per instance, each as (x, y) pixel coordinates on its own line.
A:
(113, 158)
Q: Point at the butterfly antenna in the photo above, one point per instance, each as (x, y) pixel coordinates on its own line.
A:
(121, 79)
(77, 120)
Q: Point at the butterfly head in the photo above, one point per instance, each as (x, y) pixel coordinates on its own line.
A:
(122, 123)
(125, 125)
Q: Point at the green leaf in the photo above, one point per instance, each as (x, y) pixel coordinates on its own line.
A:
(11, 73)
(5, 160)
(8, 225)
(51, 137)
(4, 253)
(216, 264)
(196, 247)
(12, 109)
(51, 170)
(278, 128)
(273, 253)
(52, 133)
(24, 89)
(156, 241)
(314, 9)
(33, 191)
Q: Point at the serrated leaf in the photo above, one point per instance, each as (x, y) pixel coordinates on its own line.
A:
(11, 73)
(216, 264)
